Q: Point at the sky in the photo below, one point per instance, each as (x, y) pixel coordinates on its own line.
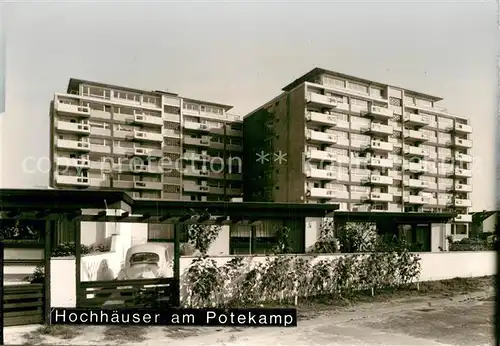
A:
(242, 54)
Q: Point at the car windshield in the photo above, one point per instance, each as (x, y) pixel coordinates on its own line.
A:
(144, 257)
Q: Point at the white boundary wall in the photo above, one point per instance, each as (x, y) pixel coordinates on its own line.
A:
(434, 265)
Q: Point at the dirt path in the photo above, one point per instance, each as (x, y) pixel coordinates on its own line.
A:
(422, 320)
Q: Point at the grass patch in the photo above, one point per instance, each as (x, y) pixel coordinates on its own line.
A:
(61, 332)
(182, 332)
(125, 333)
(313, 306)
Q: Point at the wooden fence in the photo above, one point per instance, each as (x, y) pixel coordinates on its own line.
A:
(154, 293)
(23, 304)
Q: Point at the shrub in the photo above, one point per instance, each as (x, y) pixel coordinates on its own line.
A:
(69, 249)
(470, 244)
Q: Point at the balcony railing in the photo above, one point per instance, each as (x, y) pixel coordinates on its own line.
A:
(462, 143)
(380, 112)
(321, 118)
(81, 127)
(319, 100)
(77, 145)
(73, 110)
(148, 136)
(321, 155)
(318, 136)
(72, 180)
(322, 174)
(148, 120)
(416, 119)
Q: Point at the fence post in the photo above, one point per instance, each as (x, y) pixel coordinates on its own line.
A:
(78, 260)
(46, 269)
(2, 256)
(176, 291)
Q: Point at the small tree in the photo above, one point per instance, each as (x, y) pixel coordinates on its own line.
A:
(202, 236)
(284, 244)
(356, 237)
(326, 243)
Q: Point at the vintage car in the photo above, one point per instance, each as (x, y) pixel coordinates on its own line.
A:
(146, 261)
(142, 262)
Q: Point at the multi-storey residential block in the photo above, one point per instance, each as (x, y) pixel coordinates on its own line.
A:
(368, 146)
(152, 144)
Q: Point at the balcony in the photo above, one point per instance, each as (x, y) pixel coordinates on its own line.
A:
(380, 180)
(415, 151)
(379, 129)
(378, 146)
(320, 155)
(147, 185)
(72, 110)
(322, 101)
(415, 167)
(321, 119)
(416, 184)
(379, 163)
(465, 203)
(462, 143)
(462, 128)
(69, 162)
(321, 137)
(193, 187)
(103, 166)
(416, 119)
(195, 157)
(465, 218)
(194, 172)
(461, 187)
(148, 120)
(381, 197)
(191, 125)
(463, 158)
(321, 174)
(462, 173)
(415, 136)
(74, 145)
(147, 152)
(72, 180)
(144, 136)
(81, 127)
(380, 112)
(415, 199)
(323, 193)
(145, 168)
(202, 142)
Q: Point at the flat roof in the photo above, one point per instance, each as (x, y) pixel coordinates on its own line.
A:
(74, 83)
(246, 210)
(41, 199)
(49, 203)
(315, 72)
(362, 216)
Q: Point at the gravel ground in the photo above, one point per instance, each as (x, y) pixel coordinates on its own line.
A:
(423, 320)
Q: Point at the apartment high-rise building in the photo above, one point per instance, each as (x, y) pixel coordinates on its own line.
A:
(152, 144)
(368, 146)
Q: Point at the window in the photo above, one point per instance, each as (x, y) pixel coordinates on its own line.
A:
(164, 232)
(424, 103)
(97, 141)
(357, 87)
(376, 92)
(361, 103)
(191, 106)
(334, 81)
(150, 99)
